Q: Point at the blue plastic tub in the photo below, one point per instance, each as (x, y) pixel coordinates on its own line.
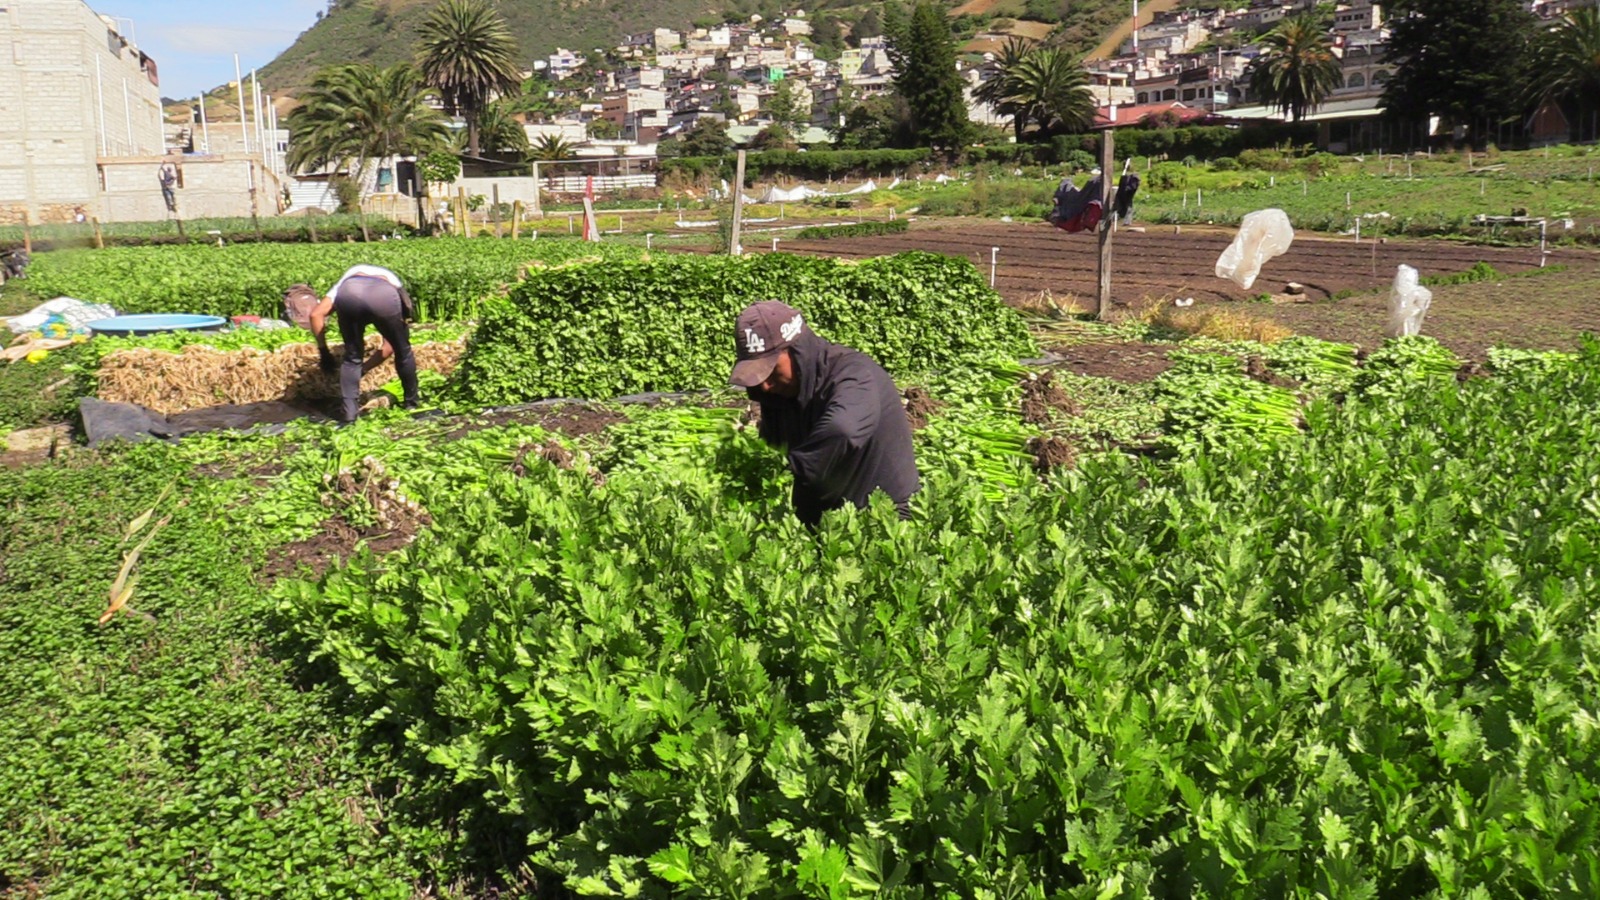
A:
(130, 326)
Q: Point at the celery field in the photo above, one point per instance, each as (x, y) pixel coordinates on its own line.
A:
(1285, 620)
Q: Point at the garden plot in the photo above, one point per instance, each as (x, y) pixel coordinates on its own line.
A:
(1159, 263)
(1293, 645)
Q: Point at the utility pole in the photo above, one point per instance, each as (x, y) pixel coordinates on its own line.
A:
(1135, 27)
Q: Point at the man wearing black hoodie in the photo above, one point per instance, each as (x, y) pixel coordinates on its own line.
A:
(834, 409)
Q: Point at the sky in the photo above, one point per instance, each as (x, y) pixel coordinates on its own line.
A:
(193, 41)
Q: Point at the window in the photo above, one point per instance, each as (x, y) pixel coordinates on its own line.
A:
(1356, 80)
(1380, 77)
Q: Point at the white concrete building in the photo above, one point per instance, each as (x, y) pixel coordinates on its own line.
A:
(73, 92)
(81, 127)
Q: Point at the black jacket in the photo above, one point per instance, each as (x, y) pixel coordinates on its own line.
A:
(846, 433)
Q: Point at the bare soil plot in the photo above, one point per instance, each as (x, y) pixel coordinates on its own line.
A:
(1544, 311)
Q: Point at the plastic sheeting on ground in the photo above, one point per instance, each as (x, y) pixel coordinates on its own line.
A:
(105, 421)
(73, 315)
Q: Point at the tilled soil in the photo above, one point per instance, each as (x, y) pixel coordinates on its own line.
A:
(1526, 308)
(1163, 262)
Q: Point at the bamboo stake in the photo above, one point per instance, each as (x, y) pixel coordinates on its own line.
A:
(99, 240)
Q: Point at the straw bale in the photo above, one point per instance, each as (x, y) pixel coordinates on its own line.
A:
(201, 376)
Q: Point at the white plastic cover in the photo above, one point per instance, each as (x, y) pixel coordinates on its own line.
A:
(1263, 234)
(76, 313)
(1408, 304)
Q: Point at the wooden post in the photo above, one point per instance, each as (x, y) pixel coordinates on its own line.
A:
(516, 217)
(494, 208)
(1107, 160)
(27, 234)
(461, 212)
(99, 239)
(738, 204)
(178, 220)
(311, 225)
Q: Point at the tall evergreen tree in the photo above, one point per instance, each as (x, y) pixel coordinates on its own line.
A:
(1461, 60)
(924, 57)
(468, 54)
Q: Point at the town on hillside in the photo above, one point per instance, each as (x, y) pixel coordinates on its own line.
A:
(668, 91)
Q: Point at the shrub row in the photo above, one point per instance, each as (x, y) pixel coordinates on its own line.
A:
(812, 164)
(858, 229)
(446, 276)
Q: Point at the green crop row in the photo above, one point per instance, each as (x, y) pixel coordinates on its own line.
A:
(448, 277)
(1354, 664)
(857, 229)
(666, 324)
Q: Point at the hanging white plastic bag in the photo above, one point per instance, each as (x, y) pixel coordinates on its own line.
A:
(1263, 234)
(1408, 304)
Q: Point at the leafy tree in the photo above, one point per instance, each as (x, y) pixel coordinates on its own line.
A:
(604, 130)
(551, 147)
(352, 115)
(772, 137)
(540, 99)
(467, 54)
(827, 37)
(869, 25)
(708, 137)
(1460, 60)
(1567, 63)
(439, 166)
(726, 105)
(924, 57)
(874, 124)
(1296, 70)
(783, 108)
(1052, 89)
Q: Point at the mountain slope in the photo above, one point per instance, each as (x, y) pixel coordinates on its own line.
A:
(384, 32)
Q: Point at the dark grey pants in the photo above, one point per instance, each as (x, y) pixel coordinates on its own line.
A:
(364, 301)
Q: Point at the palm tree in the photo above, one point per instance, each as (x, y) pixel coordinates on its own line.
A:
(499, 132)
(1000, 92)
(1051, 87)
(1567, 63)
(468, 54)
(552, 147)
(1297, 69)
(354, 114)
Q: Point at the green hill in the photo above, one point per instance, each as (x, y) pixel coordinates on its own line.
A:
(384, 31)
